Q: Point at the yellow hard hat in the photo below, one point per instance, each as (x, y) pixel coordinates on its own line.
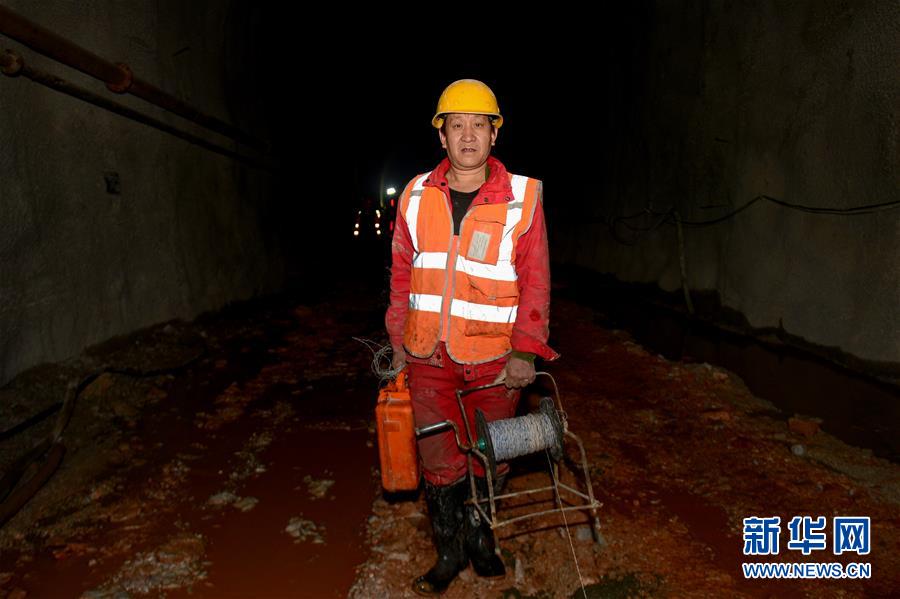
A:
(467, 96)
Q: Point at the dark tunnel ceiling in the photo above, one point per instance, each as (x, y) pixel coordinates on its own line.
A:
(355, 104)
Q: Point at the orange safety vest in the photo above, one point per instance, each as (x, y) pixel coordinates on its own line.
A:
(480, 285)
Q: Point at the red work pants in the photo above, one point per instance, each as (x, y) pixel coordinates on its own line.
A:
(433, 388)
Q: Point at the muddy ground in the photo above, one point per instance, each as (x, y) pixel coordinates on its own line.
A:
(234, 456)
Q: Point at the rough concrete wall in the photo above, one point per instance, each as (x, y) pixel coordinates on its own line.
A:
(795, 100)
(186, 234)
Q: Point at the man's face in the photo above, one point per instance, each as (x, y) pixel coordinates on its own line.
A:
(468, 139)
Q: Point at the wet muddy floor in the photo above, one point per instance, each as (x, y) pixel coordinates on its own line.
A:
(234, 457)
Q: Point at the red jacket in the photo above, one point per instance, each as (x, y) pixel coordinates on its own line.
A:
(531, 329)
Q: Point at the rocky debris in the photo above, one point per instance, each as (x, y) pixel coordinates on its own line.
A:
(68, 550)
(99, 387)
(248, 465)
(178, 563)
(399, 526)
(519, 572)
(397, 555)
(170, 480)
(222, 498)
(245, 504)
(803, 426)
(716, 415)
(124, 510)
(230, 406)
(305, 530)
(100, 490)
(259, 441)
(583, 533)
(317, 487)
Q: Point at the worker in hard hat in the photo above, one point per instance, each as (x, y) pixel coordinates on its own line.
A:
(470, 300)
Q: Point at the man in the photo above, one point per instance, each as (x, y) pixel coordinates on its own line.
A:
(470, 300)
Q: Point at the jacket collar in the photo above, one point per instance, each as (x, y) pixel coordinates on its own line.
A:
(496, 189)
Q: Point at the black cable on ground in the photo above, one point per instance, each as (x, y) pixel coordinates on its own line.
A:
(45, 457)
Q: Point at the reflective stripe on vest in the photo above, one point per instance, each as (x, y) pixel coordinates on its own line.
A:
(481, 285)
(412, 210)
(463, 309)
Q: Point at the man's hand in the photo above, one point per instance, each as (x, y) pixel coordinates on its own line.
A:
(516, 374)
(398, 357)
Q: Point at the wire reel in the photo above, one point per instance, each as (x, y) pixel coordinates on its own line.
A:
(503, 440)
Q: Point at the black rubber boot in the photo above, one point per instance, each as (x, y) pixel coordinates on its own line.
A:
(480, 545)
(445, 506)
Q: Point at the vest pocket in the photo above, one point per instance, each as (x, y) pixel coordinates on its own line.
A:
(491, 309)
(484, 242)
(489, 291)
(481, 237)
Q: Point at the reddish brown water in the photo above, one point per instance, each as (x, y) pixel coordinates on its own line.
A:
(252, 556)
(315, 429)
(855, 408)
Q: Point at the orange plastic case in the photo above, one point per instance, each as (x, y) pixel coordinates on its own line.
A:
(397, 437)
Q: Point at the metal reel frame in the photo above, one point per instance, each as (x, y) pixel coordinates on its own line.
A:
(484, 452)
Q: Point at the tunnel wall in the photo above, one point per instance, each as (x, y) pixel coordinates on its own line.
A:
(187, 231)
(726, 101)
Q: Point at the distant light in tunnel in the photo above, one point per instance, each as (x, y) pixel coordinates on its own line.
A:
(378, 231)
(355, 233)
(356, 226)
(391, 191)
(377, 225)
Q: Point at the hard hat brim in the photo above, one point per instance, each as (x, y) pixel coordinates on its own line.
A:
(438, 121)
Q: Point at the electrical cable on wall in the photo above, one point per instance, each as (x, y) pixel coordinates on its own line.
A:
(667, 217)
(672, 216)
